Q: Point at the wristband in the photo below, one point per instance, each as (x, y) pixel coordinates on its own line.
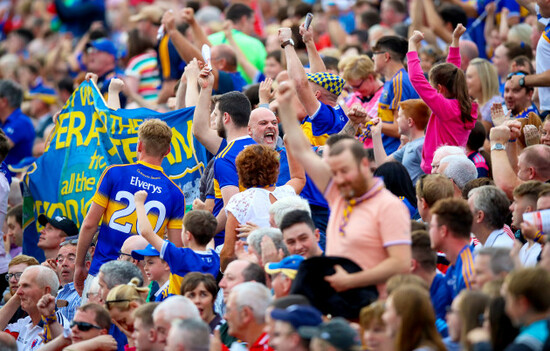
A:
(512, 140)
(539, 237)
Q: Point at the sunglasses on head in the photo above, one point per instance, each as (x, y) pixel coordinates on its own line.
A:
(83, 326)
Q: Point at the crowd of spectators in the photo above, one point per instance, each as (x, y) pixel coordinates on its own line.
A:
(378, 178)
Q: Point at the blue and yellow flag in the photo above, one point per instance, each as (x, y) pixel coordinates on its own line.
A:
(88, 137)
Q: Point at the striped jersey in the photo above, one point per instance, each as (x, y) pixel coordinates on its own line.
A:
(165, 206)
(144, 67)
(459, 275)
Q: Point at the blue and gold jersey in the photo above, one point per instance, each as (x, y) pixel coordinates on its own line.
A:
(525, 112)
(326, 121)
(183, 260)
(398, 89)
(459, 276)
(165, 206)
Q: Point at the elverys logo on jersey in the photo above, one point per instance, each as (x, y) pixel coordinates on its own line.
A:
(145, 185)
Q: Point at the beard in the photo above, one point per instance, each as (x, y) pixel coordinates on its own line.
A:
(221, 131)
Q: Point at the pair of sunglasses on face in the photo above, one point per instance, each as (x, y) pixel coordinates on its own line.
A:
(83, 326)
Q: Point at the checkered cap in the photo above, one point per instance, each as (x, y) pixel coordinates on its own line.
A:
(329, 81)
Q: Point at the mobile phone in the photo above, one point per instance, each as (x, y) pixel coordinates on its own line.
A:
(309, 18)
(206, 55)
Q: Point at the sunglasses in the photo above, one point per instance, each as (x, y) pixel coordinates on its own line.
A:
(83, 326)
(17, 276)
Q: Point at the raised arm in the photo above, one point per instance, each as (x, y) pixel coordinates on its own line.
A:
(250, 70)
(454, 49)
(316, 63)
(297, 173)
(201, 118)
(298, 75)
(435, 101)
(87, 231)
(191, 96)
(316, 168)
(113, 98)
(188, 15)
(380, 155)
(435, 22)
(144, 225)
(503, 173)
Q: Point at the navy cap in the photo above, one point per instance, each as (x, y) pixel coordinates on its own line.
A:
(298, 316)
(148, 251)
(336, 332)
(60, 222)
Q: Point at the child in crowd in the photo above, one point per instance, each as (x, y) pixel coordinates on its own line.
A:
(156, 269)
(198, 230)
(446, 94)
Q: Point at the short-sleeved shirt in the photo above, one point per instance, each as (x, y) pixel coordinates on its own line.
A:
(225, 170)
(144, 67)
(543, 65)
(459, 275)
(499, 238)
(374, 224)
(328, 120)
(410, 156)
(229, 81)
(170, 63)
(28, 336)
(440, 296)
(183, 260)
(165, 206)
(19, 128)
(397, 89)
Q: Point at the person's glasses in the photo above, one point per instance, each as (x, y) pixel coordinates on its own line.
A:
(121, 255)
(108, 303)
(17, 276)
(83, 326)
(358, 85)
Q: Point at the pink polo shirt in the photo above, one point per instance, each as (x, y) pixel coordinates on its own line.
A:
(374, 224)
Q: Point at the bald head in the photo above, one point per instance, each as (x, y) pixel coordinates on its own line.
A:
(224, 58)
(134, 242)
(263, 127)
(537, 158)
(468, 52)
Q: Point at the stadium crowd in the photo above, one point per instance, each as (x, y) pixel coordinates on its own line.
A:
(378, 179)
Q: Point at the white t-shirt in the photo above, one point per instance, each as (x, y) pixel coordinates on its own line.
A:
(252, 205)
(543, 64)
(28, 336)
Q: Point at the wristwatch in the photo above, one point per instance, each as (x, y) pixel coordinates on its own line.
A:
(522, 81)
(287, 42)
(498, 146)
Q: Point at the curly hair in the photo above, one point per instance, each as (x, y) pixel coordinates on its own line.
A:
(257, 166)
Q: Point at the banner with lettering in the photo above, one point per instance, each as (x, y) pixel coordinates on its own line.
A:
(88, 137)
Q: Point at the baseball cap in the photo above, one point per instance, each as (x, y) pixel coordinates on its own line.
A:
(288, 266)
(298, 316)
(105, 45)
(329, 81)
(42, 93)
(151, 13)
(148, 251)
(336, 332)
(60, 222)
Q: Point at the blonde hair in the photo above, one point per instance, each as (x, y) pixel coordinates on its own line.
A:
(357, 67)
(488, 77)
(121, 295)
(156, 137)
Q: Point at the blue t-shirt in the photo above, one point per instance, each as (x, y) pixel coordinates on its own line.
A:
(19, 128)
(459, 276)
(533, 336)
(165, 206)
(229, 81)
(410, 156)
(119, 336)
(327, 120)
(183, 260)
(397, 89)
(440, 296)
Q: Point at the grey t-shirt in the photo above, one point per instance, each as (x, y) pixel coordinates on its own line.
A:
(410, 156)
